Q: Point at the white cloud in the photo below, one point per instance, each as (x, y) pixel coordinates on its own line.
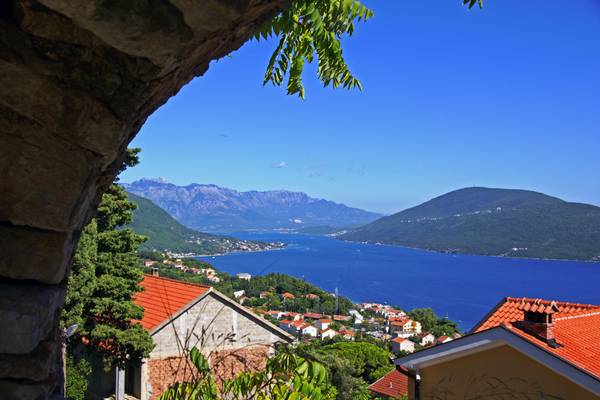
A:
(281, 164)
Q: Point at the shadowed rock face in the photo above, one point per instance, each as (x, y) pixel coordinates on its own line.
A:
(77, 81)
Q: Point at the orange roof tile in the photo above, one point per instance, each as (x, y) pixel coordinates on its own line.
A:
(578, 335)
(394, 385)
(162, 298)
(576, 328)
(512, 309)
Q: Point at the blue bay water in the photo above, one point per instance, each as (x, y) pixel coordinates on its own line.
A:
(461, 287)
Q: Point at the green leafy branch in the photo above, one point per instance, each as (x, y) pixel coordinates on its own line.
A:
(309, 29)
(314, 28)
(286, 377)
(471, 3)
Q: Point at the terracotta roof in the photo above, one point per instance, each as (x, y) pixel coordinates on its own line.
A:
(399, 340)
(512, 309)
(312, 315)
(578, 335)
(163, 298)
(341, 318)
(576, 329)
(394, 385)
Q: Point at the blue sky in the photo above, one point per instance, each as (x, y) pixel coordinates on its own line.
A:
(504, 97)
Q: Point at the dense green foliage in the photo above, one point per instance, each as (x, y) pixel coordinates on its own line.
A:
(165, 233)
(431, 323)
(500, 222)
(286, 377)
(309, 29)
(78, 372)
(276, 284)
(352, 366)
(104, 278)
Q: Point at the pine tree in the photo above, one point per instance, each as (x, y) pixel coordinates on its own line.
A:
(105, 276)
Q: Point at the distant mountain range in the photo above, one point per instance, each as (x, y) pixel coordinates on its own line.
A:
(500, 222)
(166, 234)
(217, 209)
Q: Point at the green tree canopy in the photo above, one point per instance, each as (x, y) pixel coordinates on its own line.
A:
(104, 278)
(352, 366)
(430, 322)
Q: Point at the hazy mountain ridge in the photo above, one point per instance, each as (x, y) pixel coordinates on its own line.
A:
(166, 234)
(214, 208)
(501, 222)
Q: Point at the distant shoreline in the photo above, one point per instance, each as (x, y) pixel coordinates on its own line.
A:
(468, 254)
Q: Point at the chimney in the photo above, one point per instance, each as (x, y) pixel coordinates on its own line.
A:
(155, 271)
(538, 321)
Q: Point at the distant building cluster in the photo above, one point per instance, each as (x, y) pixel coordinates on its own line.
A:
(177, 263)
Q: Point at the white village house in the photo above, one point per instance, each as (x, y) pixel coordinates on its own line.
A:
(232, 337)
(401, 344)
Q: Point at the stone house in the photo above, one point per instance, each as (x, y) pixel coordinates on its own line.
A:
(180, 315)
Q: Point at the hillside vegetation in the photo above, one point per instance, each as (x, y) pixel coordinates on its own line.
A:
(164, 233)
(500, 222)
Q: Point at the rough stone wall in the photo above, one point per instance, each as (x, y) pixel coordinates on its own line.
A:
(211, 325)
(77, 81)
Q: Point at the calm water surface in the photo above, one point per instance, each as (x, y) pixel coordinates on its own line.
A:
(462, 287)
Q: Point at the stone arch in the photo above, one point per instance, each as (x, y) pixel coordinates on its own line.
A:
(77, 81)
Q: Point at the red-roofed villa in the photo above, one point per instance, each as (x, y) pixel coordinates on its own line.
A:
(524, 348)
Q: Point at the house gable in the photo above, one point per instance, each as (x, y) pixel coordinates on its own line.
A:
(214, 323)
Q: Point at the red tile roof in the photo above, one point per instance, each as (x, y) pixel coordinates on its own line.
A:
(578, 335)
(576, 329)
(512, 309)
(394, 385)
(399, 340)
(313, 315)
(163, 298)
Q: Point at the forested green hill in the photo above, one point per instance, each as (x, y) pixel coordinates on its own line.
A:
(165, 233)
(502, 222)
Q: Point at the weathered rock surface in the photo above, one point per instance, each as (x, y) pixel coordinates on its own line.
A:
(28, 312)
(77, 81)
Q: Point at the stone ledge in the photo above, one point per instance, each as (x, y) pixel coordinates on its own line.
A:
(28, 312)
(34, 254)
(35, 366)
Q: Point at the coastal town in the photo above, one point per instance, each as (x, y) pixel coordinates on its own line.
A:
(379, 321)
(384, 323)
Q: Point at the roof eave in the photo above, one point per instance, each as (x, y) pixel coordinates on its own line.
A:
(496, 337)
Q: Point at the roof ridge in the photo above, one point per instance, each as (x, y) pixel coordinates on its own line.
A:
(540, 300)
(578, 315)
